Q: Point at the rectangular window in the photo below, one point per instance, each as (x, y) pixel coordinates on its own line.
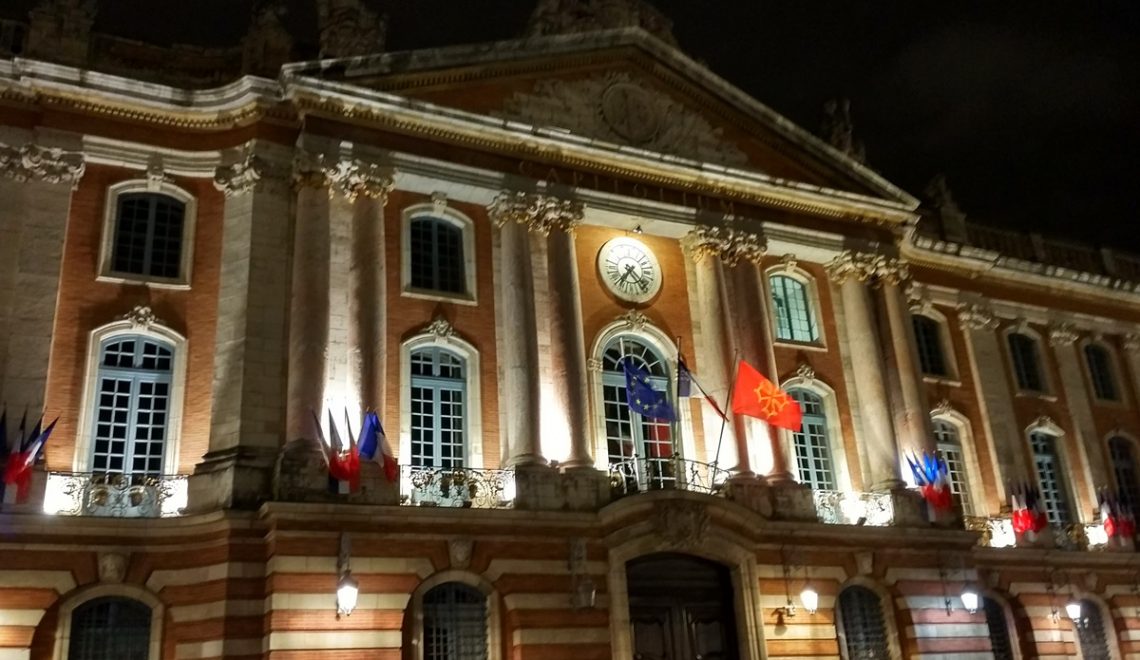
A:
(148, 236)
(1100, 372)
(437, 256)
(1051, 477)
(438, 399)
(794, 320)
(1026, 364)
(132, 407)
(928, 338)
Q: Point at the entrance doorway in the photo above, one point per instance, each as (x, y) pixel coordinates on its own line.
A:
(680, 608)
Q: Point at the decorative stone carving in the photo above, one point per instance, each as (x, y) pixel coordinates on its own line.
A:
(680, 524)
(594, 364)
(241, 177)
(355, 178)
(788, 262)
(540, 213)
(141, 317)
(616, 107)
(634, 320)
(1063, 335)
(1132, 343)
(571, 16)
(459, 552)
(918, 299)
(865, 562)
(1021, 326)
(349, 28)
(440, 328)
(731, 245)
(805, 372)
(156, 174)
(1044, 421)
(864, 267)
(32, 162)
(972, 316)
(112, 567)
(309, 170)
(944, 407)
(439, 202)
(839, 131)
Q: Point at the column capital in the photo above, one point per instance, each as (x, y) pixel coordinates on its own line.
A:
(31, 162)
(248, 175)
(973, 316)
(731, 245)
(540, 213)
(867, 267)
(1132, 343)
(1063, 334)
(356, 178)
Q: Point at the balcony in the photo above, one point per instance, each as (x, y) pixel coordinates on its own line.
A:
(114, 495)
(997, 532)
(464, 488)
(834, 507)
(638, 475)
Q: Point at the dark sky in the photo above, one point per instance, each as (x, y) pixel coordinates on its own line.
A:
(1032, 109)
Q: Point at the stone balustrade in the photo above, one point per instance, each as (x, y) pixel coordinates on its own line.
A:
(111, 495)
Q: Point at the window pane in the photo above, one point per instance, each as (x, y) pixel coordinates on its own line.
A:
(794, 320)
(864, 631)
(999, 631)
(436, 256)
(950, 447)
(106, 628)
(438, 398)
(928, 337)
(1092, 637)
(1124, 468)
(813, 451)
(644, 446)
(131, 407)
(1026, 366)
(1051, 478)
(148, 235)
(455, 623)
(1100, 372)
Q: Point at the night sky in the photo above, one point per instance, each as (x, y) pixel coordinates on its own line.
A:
(1031, 109)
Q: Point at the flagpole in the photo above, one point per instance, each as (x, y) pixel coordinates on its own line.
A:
(727, 403)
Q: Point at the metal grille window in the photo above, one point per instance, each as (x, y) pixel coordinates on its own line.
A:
(110, 628)
(813, 451)
(999, 630)
(437, 256)
(794, 320)
(864, 631)
(455, 623)
(1050, 477)
(1091, 634)
(950, 447)
(148, 235)
(1026, 364)
(1124, 468)
(1100, 372)
(439, 396)
(928, 337)
(132, 405)
(642, 443)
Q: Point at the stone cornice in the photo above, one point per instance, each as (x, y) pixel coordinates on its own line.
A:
(730, 245)
(865, 267)
(540, 213)
(31, 162)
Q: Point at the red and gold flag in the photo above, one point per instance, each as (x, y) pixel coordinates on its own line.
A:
(756, 396)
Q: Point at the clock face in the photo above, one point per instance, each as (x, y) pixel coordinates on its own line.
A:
(629, 270)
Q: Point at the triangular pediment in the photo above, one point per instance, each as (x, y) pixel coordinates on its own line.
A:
(620, 87)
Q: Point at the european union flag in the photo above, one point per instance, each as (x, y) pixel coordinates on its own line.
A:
(642, 398)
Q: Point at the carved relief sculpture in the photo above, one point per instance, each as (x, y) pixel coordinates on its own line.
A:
(540, 213)
(731, 245)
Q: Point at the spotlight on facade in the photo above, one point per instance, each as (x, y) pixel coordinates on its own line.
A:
(970, 600)
(810, 599)
(1073, 609)
(347, 589)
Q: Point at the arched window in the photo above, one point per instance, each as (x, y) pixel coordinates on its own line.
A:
(110, 627)
(999, 629)
(950, 447)
(794, 319)
(148, 235)
(438, 408)
(1091, 633)
(1050, 477)
(1099, 362)
(1124, 469)
(132, 405)
(454, 623)
(436, 252)
(863, 632)
(928, 337)
(639, 445)
(1026, 362)
(814, 464)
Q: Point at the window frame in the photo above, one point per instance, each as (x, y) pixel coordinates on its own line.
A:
(1072, 504)
(1107, 621)
(840, 466)
(122, 590)
(1133, 455)
(811, 299)
(1011, 627)
(1043, 370)
(85, 435)
(1113, 372)
(961, 425)
(945, 346)
(438, 385)
(451, 342)
(106, 272)
(477, 582)
(886, 607)
(467, 231)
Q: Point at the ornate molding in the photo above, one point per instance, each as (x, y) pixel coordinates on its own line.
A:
(918, 299)
(439, 202)
(866, 267)
(459, 551)
(594, 364)
(32, 162)
(731, 245)
(788, 262)
(112, 567)
(972, 316)
(356, 178)
(141, 317)
(440, 328)
(944, 407)
(241, 177)
(156, 174)
(540, 213)
(1063, 335)
(634, 320)
(1044, 421)
(1132, 343)
(681, 524)
(805, 372)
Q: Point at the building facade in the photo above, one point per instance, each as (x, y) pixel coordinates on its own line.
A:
(195, 279)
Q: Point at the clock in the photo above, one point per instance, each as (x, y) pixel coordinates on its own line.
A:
(629, 270)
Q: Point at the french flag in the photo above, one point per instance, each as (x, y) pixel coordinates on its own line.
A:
(374, 446)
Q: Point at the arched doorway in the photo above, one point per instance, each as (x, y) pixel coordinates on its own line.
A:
(680, 607)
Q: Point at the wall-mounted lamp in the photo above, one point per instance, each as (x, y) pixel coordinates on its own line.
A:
(809, 598)
(1073, 610)
(970, 600)
(347, 588)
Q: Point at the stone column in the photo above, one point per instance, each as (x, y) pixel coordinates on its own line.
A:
(850, 272)
(249, 356)
(915, 433)
(36, 184)
(1084, 439)
(987, 366)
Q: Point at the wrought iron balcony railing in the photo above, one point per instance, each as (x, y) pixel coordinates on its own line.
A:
(115, 495)
(467, 488)
(997, 532)
(836, 507)
(637, 475)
